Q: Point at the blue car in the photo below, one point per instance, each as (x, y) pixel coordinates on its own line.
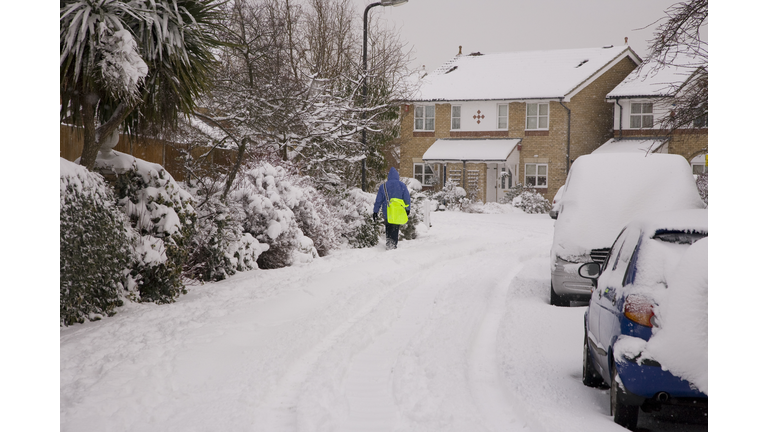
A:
(632, 303)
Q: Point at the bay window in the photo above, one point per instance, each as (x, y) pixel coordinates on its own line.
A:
(423, 173)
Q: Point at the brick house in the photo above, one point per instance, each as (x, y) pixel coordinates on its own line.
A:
(491, 121)
(640, 101)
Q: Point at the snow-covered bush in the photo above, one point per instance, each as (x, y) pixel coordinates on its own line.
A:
(418, 199)
(354, 208)
(219, 246)
(264, 196)
(527, 199)
(162, 214)
(94, 247)
(532, 202)
(702, 184)
(452, 196)
(314, 216)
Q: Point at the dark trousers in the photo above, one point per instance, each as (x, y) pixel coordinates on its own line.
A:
(392, 232)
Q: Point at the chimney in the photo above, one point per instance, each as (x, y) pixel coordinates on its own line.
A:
(626, 40)
(459, 50)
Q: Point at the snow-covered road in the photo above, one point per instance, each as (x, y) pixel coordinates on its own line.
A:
(450, 332)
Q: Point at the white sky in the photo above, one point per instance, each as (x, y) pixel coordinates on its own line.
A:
(436, 28)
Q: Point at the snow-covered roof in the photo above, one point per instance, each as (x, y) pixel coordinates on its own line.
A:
(518, 75)
(630, 145)
(471, 150)
(653, 80)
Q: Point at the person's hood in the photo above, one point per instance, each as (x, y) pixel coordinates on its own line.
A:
(393, 174)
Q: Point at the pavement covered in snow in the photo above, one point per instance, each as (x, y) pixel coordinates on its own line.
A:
(450, 332)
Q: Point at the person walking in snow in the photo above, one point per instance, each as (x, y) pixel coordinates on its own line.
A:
(392, 192)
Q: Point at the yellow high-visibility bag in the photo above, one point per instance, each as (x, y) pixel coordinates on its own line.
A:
(396, 214)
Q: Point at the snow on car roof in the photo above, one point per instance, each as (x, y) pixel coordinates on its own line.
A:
(517, 75)
(627, 145)
(604, 192)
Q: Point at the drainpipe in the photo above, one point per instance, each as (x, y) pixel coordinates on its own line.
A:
(568, 145)
(621, 118)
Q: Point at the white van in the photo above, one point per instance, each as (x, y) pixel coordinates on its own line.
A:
(602, 193)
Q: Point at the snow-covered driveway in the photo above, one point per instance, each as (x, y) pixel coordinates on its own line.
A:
(450, 332)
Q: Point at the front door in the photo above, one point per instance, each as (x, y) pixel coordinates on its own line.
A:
(492, 183)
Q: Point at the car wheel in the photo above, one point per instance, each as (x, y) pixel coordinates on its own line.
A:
(589, 375)
(556, 300)
(623, 414)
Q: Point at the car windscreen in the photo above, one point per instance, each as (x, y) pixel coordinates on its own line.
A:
(679, 237)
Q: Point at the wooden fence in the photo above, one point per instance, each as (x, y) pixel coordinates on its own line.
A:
(169, 155)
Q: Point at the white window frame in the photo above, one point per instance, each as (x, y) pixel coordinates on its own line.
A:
(541, 120)
(422, 176)
(537, 176)
(455, 119)
(504, 117)
(644, 115)
(424, 118)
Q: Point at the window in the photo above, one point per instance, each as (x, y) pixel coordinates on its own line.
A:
(641, 115)
(536, 175)
(424, 174)
(502, 116)
(537, 116)
(424, 118)
(456, 117)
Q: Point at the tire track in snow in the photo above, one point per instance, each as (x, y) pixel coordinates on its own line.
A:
(279, 410)
(485, 380)
(502, 409)
(369, 378)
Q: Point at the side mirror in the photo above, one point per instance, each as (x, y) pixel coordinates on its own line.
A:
(590, 271)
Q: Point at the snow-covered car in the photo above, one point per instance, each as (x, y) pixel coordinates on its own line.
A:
(556, 203)
(603, 192)
(645, 329)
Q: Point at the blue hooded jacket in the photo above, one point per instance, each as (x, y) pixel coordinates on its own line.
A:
(395, 189)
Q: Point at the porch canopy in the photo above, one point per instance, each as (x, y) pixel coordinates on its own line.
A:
(471, 150)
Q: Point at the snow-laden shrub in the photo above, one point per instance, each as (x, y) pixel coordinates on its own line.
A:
(409, 231)
(702, 184)
(264, 195)
(94, 247)
(162, 214)
(532, 202)
(526, 198)
(354, 208)
(219, 246)
(452, 196)
(314, 216)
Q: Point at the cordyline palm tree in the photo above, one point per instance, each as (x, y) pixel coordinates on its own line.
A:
(132, 62)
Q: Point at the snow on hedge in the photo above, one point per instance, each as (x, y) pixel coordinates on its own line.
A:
(95, 250)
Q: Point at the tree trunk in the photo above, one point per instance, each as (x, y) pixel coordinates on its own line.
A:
(93, 137)
(235, 168)
(90, 146)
